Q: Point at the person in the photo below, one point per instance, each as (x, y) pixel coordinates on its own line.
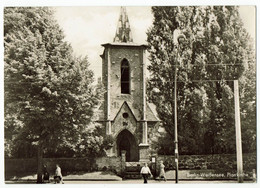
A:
(145, 171)
(162, 172)
(58, 176)
(46, 175)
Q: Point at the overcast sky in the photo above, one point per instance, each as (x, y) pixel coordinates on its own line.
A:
(86, 28)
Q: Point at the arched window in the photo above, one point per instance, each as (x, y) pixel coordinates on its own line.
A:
(125, 77)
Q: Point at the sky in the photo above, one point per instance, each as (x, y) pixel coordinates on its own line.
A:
(86, 28)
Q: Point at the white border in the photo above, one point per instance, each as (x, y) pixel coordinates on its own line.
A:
(5, 3)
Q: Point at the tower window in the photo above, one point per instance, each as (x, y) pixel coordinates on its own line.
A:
(125, 115)
(125, 77)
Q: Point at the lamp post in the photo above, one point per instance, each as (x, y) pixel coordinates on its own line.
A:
(176, 153)
(180, 39)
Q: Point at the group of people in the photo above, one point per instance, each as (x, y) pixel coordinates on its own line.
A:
(57, 177)
(145, 172)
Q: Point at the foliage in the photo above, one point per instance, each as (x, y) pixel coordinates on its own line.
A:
(216, 49)
(49, 95)
(108, 141)
(161, 145)
(248, 108)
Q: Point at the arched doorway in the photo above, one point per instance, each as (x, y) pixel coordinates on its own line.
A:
(126, 141)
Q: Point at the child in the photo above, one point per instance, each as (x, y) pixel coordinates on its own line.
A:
(145, 171)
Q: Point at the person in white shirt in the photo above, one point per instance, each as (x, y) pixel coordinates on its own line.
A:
(145, 171)
(58, 176)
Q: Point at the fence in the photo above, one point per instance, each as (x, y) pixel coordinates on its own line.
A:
(24, 167)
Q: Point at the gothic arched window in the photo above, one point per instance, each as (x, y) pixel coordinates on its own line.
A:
(125, 77)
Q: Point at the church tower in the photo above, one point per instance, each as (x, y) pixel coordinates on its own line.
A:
(126, 115)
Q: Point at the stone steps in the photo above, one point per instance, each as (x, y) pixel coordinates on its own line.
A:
(132, 176)
(132, 172)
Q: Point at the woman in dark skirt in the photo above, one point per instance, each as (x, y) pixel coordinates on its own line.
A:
(46, 175)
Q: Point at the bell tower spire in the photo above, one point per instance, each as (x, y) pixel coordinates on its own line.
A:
(123, 32)
(125, 113)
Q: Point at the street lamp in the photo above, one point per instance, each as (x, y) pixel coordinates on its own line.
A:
(180, 39)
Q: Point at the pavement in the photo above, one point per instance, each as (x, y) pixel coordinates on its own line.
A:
(185, 177)
(92, 176)
(138, 181)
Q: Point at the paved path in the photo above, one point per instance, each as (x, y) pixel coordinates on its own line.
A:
(139, 181)
(111, 178)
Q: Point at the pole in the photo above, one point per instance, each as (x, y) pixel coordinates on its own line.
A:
(175, 126)
(238, 134)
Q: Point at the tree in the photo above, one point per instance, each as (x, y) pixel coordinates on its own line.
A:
(49, 96)
(215, 50)
(248, 106)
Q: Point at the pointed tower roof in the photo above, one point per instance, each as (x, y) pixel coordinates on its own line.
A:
(123, 32)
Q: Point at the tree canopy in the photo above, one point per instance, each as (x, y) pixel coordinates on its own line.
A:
(209, 48)
(49, 95)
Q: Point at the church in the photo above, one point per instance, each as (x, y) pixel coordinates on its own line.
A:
(125, 113)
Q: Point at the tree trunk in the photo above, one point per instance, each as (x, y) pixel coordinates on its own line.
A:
(39, 164)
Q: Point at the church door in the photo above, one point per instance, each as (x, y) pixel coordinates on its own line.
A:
(126, 141)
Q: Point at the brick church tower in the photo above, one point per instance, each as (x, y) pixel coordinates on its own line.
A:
(125, 113)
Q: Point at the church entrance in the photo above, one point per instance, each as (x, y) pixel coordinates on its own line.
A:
(126, 141)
